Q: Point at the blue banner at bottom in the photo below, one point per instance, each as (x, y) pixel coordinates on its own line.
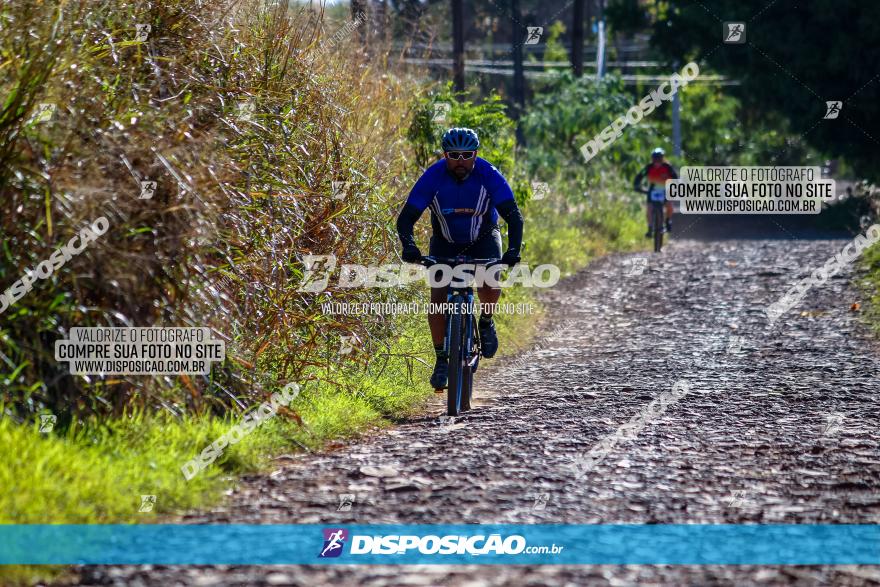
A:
(543, 544)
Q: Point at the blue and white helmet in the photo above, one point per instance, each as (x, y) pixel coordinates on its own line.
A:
(658, 152)
(460, 139)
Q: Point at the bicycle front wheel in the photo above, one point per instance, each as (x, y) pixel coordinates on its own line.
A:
(657, 221)
(456, 360)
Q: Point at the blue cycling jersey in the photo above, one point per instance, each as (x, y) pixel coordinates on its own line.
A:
(461, 211)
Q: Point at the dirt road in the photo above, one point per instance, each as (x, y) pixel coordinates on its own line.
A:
(780, 425)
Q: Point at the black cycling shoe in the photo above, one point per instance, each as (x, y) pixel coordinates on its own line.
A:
(441, 373)
(488, 338)
(669, 226)
(649, 234)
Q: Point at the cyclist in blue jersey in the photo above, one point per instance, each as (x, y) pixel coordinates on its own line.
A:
(466, 195)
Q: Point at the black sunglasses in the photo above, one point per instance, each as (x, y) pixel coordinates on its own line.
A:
(466, 155)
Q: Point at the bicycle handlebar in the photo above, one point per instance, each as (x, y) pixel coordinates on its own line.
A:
(429, 261)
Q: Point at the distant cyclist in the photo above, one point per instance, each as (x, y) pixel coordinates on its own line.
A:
(657, 172)
(466, 194)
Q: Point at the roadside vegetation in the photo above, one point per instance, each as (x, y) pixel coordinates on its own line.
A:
(270, 137)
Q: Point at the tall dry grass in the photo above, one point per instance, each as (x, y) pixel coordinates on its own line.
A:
(238, 201)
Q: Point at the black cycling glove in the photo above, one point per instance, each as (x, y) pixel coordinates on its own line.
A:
(411, 254)
(510, 257)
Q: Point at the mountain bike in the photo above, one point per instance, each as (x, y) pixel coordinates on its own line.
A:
(462, 336)
(658, 224)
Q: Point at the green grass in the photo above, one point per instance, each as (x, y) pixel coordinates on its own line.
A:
(97, 473)
(870, 285)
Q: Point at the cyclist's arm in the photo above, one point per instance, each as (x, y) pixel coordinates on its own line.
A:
(672, 171)
(406, 220)
(514, 219)
(637, 182)
(502, 199)
(419, 198)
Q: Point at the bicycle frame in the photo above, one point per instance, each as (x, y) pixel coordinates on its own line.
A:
(461, 340)
(657, 218)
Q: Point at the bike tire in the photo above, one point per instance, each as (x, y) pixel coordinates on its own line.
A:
(657, 221)
(456, 360)
(467, 372)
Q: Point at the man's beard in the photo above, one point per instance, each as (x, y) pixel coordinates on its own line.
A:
(461, 172)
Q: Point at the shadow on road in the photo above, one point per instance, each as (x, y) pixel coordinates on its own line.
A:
(719, 227)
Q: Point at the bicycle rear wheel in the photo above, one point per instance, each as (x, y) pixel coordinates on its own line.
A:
(456, 359)
(657, 222)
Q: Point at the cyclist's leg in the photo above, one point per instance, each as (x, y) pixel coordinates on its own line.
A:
(669, 211)
(490, 248)
(488, 297)
(436, 319)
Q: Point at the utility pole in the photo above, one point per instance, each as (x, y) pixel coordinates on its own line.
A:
(519, 80)
(577, 39)
(600, 50)
(676, 120)
(458, 44)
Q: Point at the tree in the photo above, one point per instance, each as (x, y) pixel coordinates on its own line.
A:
(792, 62)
